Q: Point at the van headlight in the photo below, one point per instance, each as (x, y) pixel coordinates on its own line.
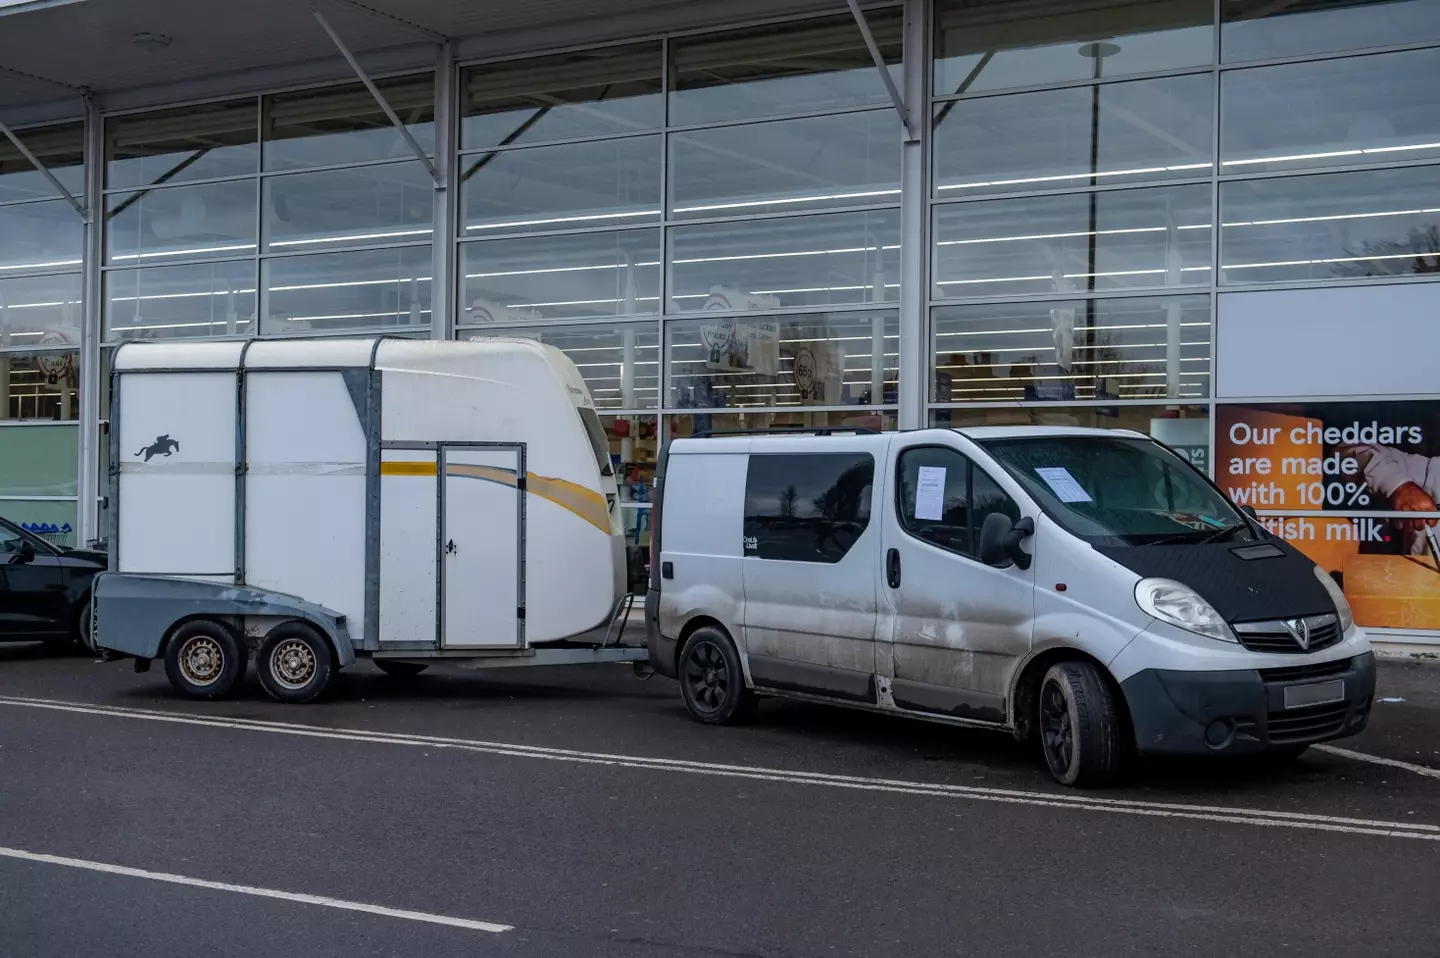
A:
(1178, 604)
(1342, 604)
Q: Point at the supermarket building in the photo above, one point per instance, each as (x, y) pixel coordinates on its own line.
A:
(744, 215)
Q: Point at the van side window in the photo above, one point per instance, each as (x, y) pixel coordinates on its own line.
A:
(935, 497)
(986, 497)
(806, 507)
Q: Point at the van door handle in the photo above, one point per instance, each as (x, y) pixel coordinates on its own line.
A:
(892, 568)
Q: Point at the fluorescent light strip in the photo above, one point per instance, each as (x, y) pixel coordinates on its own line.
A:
(48, 265)
(184, 252)
(788, 200)
(392, 234)
(1073, 235)
(1033, 279)
(1332, 218)
(1047, 330)
(63, 302)
(1060, 178)
(1332, 154)
(217, 322)
(306, 319)
(587, 218)
(1333, 259)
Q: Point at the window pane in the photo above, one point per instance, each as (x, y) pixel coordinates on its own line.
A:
(38, 310)
(334, 292)
(994, 44)
(60, 148)
(986, 497)
(634, 449)
(37, 461)
(1138, 348)
(1119, 132)
(1332, 113)
(212, 299)
(1375, 223)
(561, 277)
(40, 236)
(802, 67)
(949, 526)
(189, 222)
(1051, 244)
(561, 187)
(1185, 429)
(52, 521)
(850, 159)
(345, 125)
(1260, 29)
(794, 420)
(805, 261)
(572, 95)
(371, 205)
(174, 146)
(807, 507)
(40, 385)
(621, 364)
(818, 359)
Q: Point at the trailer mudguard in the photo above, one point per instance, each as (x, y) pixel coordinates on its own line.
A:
(134, 613)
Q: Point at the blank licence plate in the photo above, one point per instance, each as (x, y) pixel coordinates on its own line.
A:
(1320, 693)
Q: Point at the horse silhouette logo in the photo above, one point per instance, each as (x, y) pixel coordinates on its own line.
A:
(162, 446)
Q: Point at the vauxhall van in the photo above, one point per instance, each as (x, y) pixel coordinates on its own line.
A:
(1085, 587)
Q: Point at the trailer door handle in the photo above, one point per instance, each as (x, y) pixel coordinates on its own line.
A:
(892, 568)
(450, 548)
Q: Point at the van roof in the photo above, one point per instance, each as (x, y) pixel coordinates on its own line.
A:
(745, 442)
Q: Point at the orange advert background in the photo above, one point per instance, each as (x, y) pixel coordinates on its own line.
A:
(1238, 472)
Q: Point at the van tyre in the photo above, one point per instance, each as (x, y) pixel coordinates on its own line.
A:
(1080, 727)
(711, 680)
(295, 663)
(204, 659)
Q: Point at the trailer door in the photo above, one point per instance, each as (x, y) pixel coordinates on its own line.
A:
(482, 546)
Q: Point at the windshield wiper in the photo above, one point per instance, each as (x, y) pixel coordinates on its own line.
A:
(1178, 537)
(1219, 534)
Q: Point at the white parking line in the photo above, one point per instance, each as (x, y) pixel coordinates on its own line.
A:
(1081, 801)
(258, 892)
(1378, 760)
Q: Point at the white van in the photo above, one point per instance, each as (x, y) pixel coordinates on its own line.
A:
(1085, 585)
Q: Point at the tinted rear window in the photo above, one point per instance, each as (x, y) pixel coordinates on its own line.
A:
(807, 507)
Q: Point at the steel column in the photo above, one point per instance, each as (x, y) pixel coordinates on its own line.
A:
(444, 295)
(92, 444)
(914, 248)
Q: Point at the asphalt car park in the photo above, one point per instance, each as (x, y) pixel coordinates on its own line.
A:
(580, 811)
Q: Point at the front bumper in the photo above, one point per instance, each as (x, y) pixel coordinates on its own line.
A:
(1243, 711)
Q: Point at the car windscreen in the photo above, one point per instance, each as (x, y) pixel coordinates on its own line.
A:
(1117, 490)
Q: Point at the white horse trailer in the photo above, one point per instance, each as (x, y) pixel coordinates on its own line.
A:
(315, 501)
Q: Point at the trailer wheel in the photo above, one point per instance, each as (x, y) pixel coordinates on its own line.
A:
(204, 659)
(1079, 725)
(399, 670)
(295, 664)
(711, 680)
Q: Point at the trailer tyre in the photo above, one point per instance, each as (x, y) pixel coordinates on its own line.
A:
(1080, 727)
(711, 680)
(295, 663)
(399, 670)
(204, 659)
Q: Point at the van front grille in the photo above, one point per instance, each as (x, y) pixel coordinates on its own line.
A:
(1290, 673)
(1307, 724)
(1297, 636)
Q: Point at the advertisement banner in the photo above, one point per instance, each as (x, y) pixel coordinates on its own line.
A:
(1377, 464)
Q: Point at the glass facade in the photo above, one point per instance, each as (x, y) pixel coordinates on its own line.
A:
(730, 229)
(41, 315)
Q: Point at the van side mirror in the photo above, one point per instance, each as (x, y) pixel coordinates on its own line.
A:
(1000, 541)
(27, 552)
(1250, 511)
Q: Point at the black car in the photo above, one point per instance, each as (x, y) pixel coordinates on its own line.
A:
(44, 589)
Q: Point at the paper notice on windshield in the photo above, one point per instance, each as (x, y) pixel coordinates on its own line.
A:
(930, 493)
(1063, 484)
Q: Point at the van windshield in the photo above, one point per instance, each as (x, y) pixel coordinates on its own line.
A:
(1119, 491)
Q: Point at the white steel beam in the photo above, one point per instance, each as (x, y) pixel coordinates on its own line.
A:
(44, 171)
(384, 104)
(905, 119)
